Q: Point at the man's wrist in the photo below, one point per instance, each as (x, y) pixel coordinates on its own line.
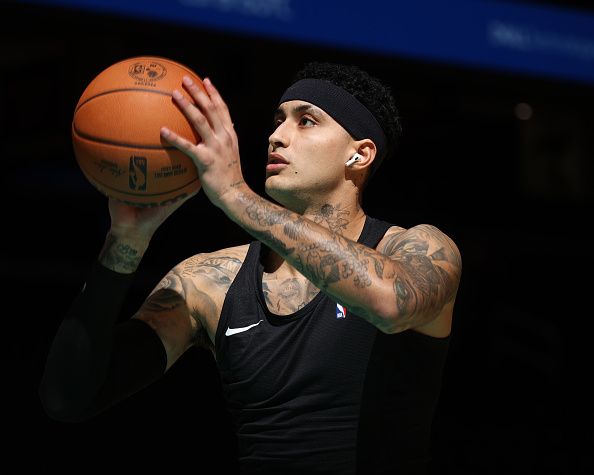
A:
(231, 201)
(123, 253)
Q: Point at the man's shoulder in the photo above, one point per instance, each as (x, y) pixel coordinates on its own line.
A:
(229, 259)
(234, 252)
(204, 279)
(422, 235)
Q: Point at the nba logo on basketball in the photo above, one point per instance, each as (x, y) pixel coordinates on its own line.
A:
(340, 311)
(137, 175)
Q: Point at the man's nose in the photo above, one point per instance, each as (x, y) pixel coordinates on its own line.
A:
(279, 137)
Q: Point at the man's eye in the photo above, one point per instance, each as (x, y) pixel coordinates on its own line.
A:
(307, 121)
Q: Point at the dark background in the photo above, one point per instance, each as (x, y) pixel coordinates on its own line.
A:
(515, 195)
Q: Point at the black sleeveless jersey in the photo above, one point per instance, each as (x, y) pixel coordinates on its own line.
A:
(322, 390)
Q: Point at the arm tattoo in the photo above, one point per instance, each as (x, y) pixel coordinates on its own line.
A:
(270, 239)
(118, 256)
(218, 270)
(422, 265)
(261, 214)
(168, 297)
(266, 291)
(425, 256)
(173, 282)
(164, 299)
(323, 262)
(177, 285)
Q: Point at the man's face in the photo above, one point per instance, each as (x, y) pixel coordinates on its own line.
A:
(306, 152)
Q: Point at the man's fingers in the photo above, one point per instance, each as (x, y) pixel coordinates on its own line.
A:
(193, 114)
(218, 101)
(178, 142)
(204, 103)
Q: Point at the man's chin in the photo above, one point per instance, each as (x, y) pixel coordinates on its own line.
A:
(274, 191)
(269, 186)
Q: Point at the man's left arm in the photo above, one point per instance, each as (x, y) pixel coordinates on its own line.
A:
(402, 284)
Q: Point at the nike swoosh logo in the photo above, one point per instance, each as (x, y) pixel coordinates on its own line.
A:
(233, 331)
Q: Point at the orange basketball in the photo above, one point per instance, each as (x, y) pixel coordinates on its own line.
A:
(115, 132)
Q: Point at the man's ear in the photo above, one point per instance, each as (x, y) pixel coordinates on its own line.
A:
(364, 155)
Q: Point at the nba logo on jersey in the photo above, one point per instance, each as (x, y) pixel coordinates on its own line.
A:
(340, 311)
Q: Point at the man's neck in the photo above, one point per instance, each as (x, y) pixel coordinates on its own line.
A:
(346, 220)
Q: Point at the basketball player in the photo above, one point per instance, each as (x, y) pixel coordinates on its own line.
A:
(330, 329)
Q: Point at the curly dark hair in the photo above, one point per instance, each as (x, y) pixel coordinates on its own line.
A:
(369, 90)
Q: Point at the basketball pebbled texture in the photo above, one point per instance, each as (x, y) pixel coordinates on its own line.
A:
(116, 132)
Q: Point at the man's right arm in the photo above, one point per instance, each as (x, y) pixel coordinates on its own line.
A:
(94, 361)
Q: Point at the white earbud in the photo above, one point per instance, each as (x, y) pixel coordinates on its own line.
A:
(355, 158)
